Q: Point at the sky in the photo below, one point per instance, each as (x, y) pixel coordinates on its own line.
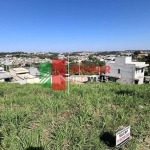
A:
(74, 25)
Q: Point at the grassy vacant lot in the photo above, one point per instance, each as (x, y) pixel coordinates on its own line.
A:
(32, 116)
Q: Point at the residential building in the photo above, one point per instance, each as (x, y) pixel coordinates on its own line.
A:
(18, 71)
(143, 55)
(23, 76)
(5, 76)
(123, 70)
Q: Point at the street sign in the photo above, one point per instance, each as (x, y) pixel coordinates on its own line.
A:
(122, 136)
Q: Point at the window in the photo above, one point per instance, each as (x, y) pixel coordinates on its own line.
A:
(118, 71)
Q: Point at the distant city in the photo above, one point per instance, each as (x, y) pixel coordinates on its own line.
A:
(129, 66)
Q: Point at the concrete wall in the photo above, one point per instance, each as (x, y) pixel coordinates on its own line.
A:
(141, 80)
(12, 72)
(34, 71)
(128, 59)
(2, 80)
(21, 81)
(123, 60)
(139, 73)
(34, 80)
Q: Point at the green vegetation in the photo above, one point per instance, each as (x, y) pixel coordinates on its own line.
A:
(135, 54)
(32, 116)
(147, 61)
(94, 62)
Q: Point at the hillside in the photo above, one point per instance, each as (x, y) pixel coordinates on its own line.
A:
(32, 116)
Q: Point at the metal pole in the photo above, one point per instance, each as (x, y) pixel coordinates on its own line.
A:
(79, 67)
(68, 73)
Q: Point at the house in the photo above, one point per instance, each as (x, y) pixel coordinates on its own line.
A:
(18, 71)
(5, 76)
(23, 76)
(143, 55)
(123, 70)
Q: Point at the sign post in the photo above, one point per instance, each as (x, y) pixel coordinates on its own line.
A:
(122, 137)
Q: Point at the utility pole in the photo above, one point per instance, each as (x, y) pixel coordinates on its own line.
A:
(79, 67)
(68, 72)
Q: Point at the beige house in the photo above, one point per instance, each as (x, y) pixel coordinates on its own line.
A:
(22, 76)
(17, 71)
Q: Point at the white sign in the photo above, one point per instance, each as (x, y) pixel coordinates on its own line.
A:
(122, 135)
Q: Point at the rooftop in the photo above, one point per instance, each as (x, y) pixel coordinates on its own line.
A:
(20, 70)
(5, 75)
(128, 60)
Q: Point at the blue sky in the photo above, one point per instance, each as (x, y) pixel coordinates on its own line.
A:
(74, 25)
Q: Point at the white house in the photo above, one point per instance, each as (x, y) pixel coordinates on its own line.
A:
(123, 70)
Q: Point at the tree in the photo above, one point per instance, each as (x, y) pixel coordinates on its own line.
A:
(54, 56)
(90, 57)
(135, 54)
(147, 60)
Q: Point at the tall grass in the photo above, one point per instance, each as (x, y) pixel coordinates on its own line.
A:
(32, 116)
